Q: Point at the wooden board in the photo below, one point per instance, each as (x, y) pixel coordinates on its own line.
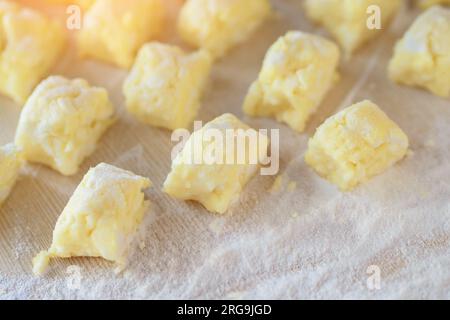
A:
(396, 221)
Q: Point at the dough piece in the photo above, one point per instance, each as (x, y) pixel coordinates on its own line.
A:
(101, 218)
(219, 25)
(355, 145)
(422, 57)
(165, 85)
(30, 45)
(216, 184)
(62, 122)
(11, 162)
(113, 31)
(297, 73)
(347, 20)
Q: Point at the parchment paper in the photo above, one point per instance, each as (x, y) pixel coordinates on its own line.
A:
(387, 239)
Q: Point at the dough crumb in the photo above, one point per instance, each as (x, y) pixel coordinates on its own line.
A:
(277, 184)
(40, 263)
(292, 185)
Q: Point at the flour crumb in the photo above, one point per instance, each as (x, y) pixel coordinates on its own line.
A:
(216, 226)
(292, 185)
(277, 184)
(235, 295)
(430, 143)
(280, 183)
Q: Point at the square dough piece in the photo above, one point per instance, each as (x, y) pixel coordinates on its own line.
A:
(297, 72)
(355, 145)
(62, 121)
(347, 20)
(30, 45)
(422, 57)
(101, 218)
(11, 162)
(219, 25)
(113, 31)
(165, 85)
(216, 184)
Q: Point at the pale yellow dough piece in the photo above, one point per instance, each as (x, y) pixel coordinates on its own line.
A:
(216, 184)
(424, 4)
(30, 45)
(219, 25)
(165, 85)
(355, 145)
(297, 72)
(11, 162)
(347, 20)
(62, 122)
(101, 218)
(113, 31)
(422, 56)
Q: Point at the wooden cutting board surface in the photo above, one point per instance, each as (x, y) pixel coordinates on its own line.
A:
(181, 232)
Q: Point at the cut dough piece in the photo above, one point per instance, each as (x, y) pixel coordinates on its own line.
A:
(113, 31)
(62, 122)
(355, 145)
(101, 218)
(165, 85)
(347, 20)
(30, 45)
(422, 57)
(298, 71)
(219, 25)
(201, 170)
(11, 162)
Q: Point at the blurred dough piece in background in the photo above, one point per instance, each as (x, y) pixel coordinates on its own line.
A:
(422, 57)
(115, 31)
(347, 20)
(30, 44)
(219, 25)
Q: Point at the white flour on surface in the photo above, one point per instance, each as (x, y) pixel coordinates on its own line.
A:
(389, 238)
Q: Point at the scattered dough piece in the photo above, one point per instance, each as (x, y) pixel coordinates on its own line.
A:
(422, 57)
(298, 71)
(216, 185)
(30, 44)
(424, 4)
(347, 19)
(218, 25)
(113, 31)
(356, 144)
(101, 218)
(62, 122)
(282, 183)
(10, 163)
(165, 85)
